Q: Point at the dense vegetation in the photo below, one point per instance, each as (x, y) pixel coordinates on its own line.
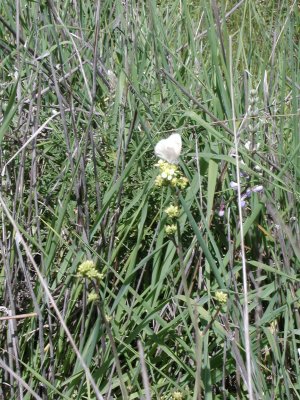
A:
(115, 298)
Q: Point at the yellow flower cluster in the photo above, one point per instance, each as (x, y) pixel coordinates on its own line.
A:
(92, 297)
(221, 297)
(108, 317)
(88, 270)
(171, 229)
(172, 211)
(177, 396)
(170, 175)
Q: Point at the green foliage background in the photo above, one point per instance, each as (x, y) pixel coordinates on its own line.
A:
(105, 81)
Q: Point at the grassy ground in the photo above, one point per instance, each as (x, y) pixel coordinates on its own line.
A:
(210, 311)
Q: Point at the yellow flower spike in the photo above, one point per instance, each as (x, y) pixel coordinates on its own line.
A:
(174, 182)
(221, 297)
(172, 211)
(171, 229)
(87, 269)
(170, 175)
(92, 297)
(159, 181)
(182, 182)
(108, 317)
(177, 396)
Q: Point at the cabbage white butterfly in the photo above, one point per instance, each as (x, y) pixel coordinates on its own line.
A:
(169, 149)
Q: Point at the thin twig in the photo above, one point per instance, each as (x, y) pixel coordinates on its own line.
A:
(19, 316)
(144, 372)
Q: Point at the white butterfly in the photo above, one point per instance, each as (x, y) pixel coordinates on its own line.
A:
(169, 149)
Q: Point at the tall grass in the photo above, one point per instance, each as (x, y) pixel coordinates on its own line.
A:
(87, 89)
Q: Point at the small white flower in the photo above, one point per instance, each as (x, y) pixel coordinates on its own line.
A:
(221, 213)
(258, 189)
(233, 185)
(244, 197)
(248, 145)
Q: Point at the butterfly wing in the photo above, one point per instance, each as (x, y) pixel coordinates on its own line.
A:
(175, 142)
(159, 149)
(169, 149)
